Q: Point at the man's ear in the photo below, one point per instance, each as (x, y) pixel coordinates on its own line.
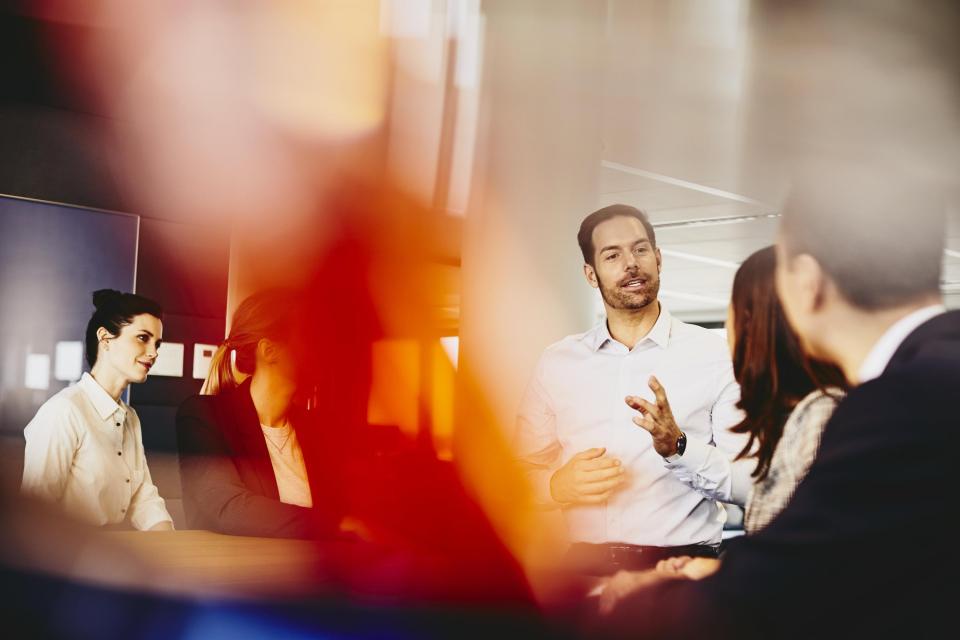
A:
(591, 275)
(659, 260)
(812, 281)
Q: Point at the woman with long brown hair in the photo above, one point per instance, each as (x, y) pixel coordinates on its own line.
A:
(253, 460)
(786, 397)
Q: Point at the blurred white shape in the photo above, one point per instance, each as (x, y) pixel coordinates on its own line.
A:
(451, 346)
(697, 258)
(467, 74)
(720, 331)
(202, 355)
(169, 360)
(68, 361)
(320, 68)
(599, 313)
(692, 297)
(678, 182)
(38, 371)
(405, 18)
(466, 24)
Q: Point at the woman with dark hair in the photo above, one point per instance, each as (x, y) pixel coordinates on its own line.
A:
(84, 450)
(786, 397)
(253, 460)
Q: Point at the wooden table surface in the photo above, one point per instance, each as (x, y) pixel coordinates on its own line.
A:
(207, 563)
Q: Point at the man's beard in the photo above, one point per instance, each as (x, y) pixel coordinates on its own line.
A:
(617, 298)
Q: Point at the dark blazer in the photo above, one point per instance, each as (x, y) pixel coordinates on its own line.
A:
(228, 480)
(867, 547)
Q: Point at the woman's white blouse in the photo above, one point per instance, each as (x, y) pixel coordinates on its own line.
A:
(85, 453)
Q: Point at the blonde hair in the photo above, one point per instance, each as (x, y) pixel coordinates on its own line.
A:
(265, 314)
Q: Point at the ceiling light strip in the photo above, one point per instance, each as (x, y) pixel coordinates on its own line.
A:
(704, 259)
(692, 297)
(710, 222)
(679, 183)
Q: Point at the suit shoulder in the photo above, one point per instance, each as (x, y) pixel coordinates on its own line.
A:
(914, 395)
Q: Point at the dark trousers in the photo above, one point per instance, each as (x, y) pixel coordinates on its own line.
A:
(607, 559)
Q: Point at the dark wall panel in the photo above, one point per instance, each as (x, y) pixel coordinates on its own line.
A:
(51, 258)
(183, 267)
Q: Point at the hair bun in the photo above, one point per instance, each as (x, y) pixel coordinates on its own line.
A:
(104, 297)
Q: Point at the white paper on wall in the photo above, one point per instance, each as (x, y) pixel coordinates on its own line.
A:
(202, 355)
(38, 371)
(169, 360)
(68, 361)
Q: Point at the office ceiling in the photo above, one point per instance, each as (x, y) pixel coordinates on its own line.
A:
(710, 107)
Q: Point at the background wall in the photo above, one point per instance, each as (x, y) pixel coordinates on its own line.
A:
(56, 147)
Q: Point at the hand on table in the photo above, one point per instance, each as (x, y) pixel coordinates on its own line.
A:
(687, 567)
(623, 583)
(589, 477)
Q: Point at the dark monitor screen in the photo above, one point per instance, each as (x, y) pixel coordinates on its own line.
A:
(52, 257)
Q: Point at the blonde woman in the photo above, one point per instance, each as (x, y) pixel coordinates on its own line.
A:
(253, 460)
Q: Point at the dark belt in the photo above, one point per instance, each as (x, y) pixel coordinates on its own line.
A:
(606, 559)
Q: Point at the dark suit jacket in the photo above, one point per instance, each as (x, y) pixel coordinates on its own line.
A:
(867, 547)
(228, 480)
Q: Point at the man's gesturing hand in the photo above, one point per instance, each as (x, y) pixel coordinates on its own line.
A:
(589, 477)
(657, 419)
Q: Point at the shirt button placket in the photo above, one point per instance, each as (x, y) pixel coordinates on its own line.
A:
(118, 421)
(614, 528)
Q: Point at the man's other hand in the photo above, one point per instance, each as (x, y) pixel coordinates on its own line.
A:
(589, 477)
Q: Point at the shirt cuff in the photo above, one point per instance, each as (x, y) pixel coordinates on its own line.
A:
(693, 459)
(540, 482)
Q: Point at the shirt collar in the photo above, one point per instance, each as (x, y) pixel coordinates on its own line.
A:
(659, 334)
(102, 402)
(883, 350)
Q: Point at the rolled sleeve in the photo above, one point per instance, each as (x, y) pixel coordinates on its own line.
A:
(709, 467)
(147, 508)
(712, 472)
(535, 439)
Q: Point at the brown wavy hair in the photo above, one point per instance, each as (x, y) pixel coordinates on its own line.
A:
(768, 362)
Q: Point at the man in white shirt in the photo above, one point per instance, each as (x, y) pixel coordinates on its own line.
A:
(864, 549)
(634, 486)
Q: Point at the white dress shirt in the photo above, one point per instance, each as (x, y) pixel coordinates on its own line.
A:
(85, 453)
(286, 456)
(879, 356)
(575, 401)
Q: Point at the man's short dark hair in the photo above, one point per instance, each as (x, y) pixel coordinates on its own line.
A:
(585, 235)
(878, 237)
